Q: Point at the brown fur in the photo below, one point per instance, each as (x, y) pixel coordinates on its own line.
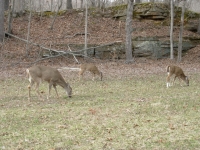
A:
(91, 68)
(37, 74)
(178, 72)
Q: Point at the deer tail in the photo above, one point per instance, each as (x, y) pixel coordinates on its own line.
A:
(27, 72)
(168, 68)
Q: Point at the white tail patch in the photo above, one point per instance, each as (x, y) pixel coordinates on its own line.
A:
(168, 68)
(29, 76)
(27, 71)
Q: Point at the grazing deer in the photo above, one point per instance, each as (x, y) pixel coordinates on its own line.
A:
(37, 74)
(91, 68)
(178, 72)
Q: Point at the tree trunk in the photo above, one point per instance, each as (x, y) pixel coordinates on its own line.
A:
(51, 5)
(81, 3)
(10, 16)
(2, 20)
(19, 7)
(93, 4)
(54, 18)
(86, 23)
(6, 5)
(129, 20)
(29, 26)
(69, 4)
(137, 1)
(171, 31)
(103, 4)
(198, 30)
(181, 33)
(99, 4)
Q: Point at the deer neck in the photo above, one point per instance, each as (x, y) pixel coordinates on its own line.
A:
(183, 77)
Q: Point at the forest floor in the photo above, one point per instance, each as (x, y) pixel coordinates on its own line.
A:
(16, 55)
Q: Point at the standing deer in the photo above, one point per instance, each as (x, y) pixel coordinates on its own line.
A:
(178, 72)
(37, 74)
(91, 68)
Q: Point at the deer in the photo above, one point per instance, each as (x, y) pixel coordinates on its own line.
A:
(178, 72)
(91, 68)
(37, 74)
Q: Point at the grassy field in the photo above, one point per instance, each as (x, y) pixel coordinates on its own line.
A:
(132, 113)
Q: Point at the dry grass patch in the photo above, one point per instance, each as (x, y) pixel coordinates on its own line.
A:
(129, 113)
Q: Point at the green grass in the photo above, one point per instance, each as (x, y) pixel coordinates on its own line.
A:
(129, 113)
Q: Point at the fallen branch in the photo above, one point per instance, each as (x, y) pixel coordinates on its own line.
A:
(75, 35)
(36, 44)
(73, 69)
(60, 53)
(73, 55)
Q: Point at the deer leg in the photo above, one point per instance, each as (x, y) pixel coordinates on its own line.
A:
(93, 77)
(29, 90)
(168, 80)
(81, 74)
(54, 86)
(37, 89)
(174, 80)
(180, 81)
(50, 85)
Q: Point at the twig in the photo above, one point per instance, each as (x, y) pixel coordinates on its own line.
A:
(74, 69)
(73, 55)
(56, 15)
(75, 35)
(61, 53)
(28, 34)
(72, 52)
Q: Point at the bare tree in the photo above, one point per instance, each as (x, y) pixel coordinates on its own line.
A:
(51, 5)
(6, 4)
(29, 26)
(1, 20)
(129, 20)
(181, 33)
(81, 3)
(59, 6)
(99, 4)
(86, 25)
(198, 29)
(93, 3)
(19, 6)
(171, 30)
(137, 1)
(10, 16)
(103, 4)
(69, 4)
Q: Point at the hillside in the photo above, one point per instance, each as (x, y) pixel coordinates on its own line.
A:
(69, 29)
